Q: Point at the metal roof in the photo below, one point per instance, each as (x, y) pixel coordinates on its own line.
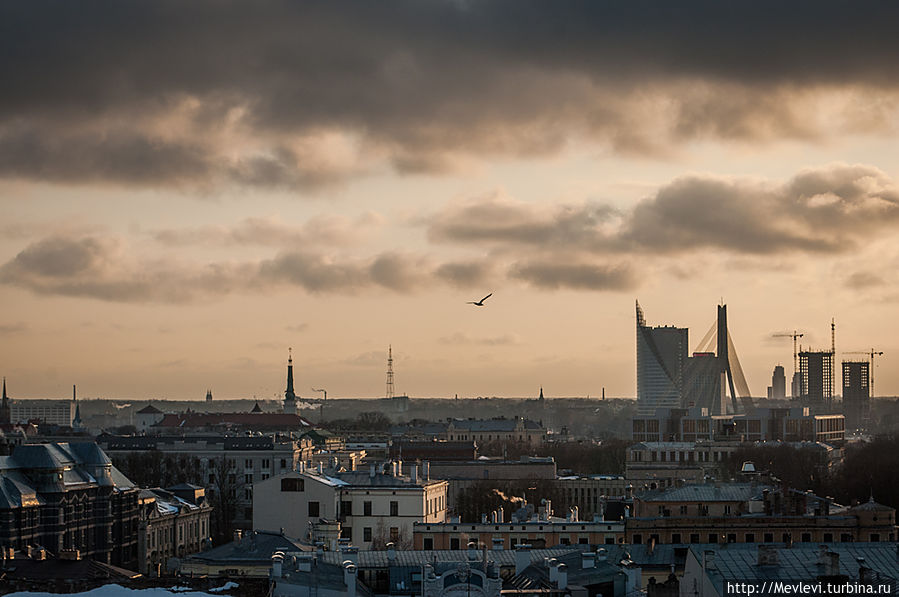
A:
(380, 559)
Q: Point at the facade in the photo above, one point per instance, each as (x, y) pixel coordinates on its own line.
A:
(816, 378)
(462, 475)
(174, 522)
(661, 359)
(52, 412)
(586, 492)
(373, 508)
(796, 424)
(857, 394)
(247, 460)
(69, 499)
(752, 513)
(496, 534)
(146, 417)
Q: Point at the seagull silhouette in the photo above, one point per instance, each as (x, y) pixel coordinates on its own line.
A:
(479, 303)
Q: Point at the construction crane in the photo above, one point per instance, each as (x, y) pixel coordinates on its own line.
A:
(795, 336)
(870, 354)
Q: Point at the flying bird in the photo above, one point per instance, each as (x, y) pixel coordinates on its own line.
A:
(479, 303)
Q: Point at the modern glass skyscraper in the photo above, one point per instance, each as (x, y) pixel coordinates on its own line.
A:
(661, 357)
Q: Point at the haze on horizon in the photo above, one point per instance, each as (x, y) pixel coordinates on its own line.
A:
(189, 189)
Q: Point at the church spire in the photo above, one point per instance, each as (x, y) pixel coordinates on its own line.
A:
(289, 393)
(290, 397)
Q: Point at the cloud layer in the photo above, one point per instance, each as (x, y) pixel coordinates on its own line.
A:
(305, 95)
(830, 210)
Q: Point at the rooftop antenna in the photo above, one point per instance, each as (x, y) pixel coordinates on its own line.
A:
(390, 371)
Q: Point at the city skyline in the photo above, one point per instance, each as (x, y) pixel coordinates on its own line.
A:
(191, 190)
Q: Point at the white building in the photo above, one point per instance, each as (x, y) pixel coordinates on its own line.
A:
(52, 412)
(372, 507)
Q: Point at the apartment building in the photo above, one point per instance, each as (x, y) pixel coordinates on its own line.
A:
(373, 507)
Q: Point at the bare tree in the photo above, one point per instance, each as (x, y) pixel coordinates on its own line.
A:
(225, 485)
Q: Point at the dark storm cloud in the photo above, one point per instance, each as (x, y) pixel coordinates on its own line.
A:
(553, 275)
(424, 85)
(829, 209)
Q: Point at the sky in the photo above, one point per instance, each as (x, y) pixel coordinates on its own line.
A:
(189, 189)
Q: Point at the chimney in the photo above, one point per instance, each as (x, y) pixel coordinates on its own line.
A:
(277, 560)
(499, 515)
(371, 471)
(575, 513)
(472, 551)
(864, 573)
(399, 468)
(588, 560)
(393, 468)
(349, 578)
(425, 470)
(320, 468)
(553, 565)
(767, 555)
(522, 557)
(832, 564)
(601, 554)
(238, 535)
(562, 576)
(391, 553)
(708, 558)
(483, 519)
(413, 473)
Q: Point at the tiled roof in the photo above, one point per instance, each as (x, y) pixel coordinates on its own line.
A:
(379, 559)
(251, 420)
(256, 546)
(800, 561)
(149, 410)
(705, 492)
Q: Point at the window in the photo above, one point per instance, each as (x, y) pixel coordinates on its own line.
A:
(786, 538)
(713, 538)
(346, 533)
(248, 463)
(584, 541)
(454, 543)
(727, 509)
(394, 534)
(427, 543)
(283, 463)
(248, 494)
(683, 509)
(875, 537)
(828, 537)
(366, 533)
(313, 509)
(292, 484)
(769, 538)
(638, 538)
(248, 513)
(346, 508)
(845, 538)
(248, 478)
(564, 540)
(394, 508)
(675, 537)
(366, 508)
(731, 537)
(694, 537)
(806, 537)
(265, 476)
(750, 537)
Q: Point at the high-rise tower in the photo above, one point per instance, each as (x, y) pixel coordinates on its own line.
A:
(290, 398)
(661, 356)
(856, 394)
